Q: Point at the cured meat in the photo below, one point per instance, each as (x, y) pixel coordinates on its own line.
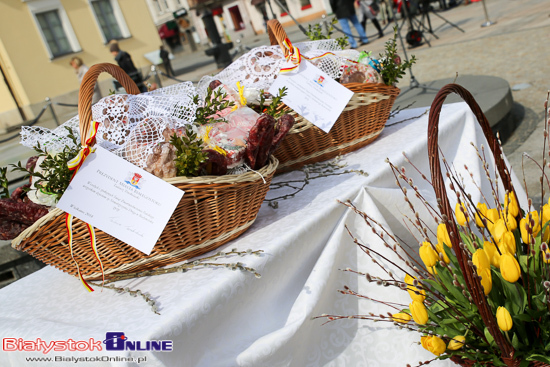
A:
(23, 212)
(10, 229)
(161, 161)
(284, 124)
(260, 135)
(215, 163)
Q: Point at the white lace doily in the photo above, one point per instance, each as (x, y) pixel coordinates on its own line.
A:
(259, 67)
(129, 125)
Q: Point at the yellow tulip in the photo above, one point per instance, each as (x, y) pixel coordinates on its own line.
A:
(481, 260)
(511, 222)
(545, 220)
(507, 243)
(492, 253)
(461, 216)
(443, 235)
(434, 344)
(498, 229)
(526, 222)
(509, 268)
(413, 290)
(440, 250)
(424, 341)
(486, 280)
(419, 312)
(511, 204)
(481, 208)
(428, 255)
(492, 216)
(401, 317)
(504, 319)
(432, 270)
(457, 342)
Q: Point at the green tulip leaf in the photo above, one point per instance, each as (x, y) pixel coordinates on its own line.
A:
(538, 357)
(489, 337)
(516, 343)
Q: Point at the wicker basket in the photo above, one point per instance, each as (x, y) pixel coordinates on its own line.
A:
(361, 122)
(472, 283)
(213, 211)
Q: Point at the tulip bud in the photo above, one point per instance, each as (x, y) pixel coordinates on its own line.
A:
(535, 222)
(486, 280)
(511, 222)
(511, 204)
(492, 253)
(498, 229)
(545, 220)
(492, 216)
(457, 342)
(523, 228)
(419, 312)
(401, 317)
(504, 319)
(415, 293)
(461, 214)
(428, 254)
(509, 268)
(481, 260)
(433, 344)
(481, 208)
(507, 243)
(443, 235)
(440, 250)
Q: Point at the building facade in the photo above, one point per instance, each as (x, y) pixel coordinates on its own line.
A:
(38, 38)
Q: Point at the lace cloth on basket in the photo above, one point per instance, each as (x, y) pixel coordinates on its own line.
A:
(258, 68)
(129, 125)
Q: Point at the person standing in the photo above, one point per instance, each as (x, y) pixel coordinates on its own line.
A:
(165, 56)
(80, 69)
(124, 60)
(369, 10)
(345, 12)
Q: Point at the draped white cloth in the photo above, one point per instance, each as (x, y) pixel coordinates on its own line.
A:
(218, 317)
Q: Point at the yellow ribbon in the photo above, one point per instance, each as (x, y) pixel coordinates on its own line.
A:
(74, 165)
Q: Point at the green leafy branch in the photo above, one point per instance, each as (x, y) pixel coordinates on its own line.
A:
(274, 108)
(391, 69)
(189, 154)
(316, 32)
(55, 175)
(213, 103)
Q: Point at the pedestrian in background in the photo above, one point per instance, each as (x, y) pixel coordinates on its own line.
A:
(165, 56)
(124, 60)
(80, 69)
(345, 13)
(369, 10)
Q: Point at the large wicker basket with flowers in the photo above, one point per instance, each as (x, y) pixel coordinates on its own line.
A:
(213, 211)
(480, 290)
(361, 122)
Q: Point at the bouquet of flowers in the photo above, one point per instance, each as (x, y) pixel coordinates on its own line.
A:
(479, 285)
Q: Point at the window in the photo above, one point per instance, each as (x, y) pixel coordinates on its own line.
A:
(284, 7)
(52, 29)
(306, 4)
(110, 20)
(106, 19)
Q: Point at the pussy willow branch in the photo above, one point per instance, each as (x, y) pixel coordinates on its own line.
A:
(407, 119)
(188, 266)
(322, 169)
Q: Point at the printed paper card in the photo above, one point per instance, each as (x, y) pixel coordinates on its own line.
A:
(121, 199)
(313, 94)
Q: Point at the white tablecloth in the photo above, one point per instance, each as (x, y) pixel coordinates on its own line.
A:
(219, 317)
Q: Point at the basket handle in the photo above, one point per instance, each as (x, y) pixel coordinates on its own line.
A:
(86, 93)
(277, 34)
(472, 283)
